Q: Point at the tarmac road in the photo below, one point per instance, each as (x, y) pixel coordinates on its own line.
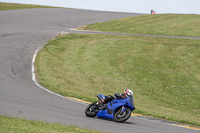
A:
(21, 33)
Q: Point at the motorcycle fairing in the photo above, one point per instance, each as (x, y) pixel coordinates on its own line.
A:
(112, 106)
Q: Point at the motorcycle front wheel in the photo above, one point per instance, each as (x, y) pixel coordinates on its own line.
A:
(90, 110)
(121, 117)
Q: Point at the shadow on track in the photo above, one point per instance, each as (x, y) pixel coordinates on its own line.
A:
(106, 119)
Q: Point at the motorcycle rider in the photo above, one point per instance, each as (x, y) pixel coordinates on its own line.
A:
(102, 101)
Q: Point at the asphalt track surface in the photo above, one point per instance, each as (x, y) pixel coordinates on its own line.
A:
(21, 33)
(112, 33)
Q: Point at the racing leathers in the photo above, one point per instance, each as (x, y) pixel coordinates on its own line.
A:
(102, 101)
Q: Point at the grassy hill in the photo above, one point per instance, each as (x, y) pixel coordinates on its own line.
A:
(163, 73)
(159, 24)
(14, 6)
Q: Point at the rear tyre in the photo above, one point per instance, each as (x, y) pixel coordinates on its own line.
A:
(90, 110)
(121, 117)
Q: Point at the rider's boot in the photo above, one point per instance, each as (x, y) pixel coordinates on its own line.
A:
(101, 105)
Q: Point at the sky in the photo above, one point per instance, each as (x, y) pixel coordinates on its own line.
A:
(132, 6)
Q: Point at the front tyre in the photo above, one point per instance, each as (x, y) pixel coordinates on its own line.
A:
(90, 110)
(121, 117)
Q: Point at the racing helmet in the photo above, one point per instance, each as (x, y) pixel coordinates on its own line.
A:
(128, 92)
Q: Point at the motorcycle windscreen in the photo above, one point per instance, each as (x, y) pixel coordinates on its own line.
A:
(130, 97)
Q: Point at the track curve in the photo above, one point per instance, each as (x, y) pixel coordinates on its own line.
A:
(21, 33)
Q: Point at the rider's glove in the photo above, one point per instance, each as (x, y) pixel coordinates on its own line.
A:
(118, 95)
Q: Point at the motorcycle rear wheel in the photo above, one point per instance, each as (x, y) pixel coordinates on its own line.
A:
(121, 117)
(89, 112)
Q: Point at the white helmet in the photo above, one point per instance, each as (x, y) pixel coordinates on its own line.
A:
(128, 92)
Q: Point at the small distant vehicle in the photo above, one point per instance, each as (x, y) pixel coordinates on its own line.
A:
(118, 109)
(153, 12)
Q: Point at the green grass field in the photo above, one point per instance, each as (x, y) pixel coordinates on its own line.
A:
(159, 24)
(16, 125)
(13, 6)
(163, 73)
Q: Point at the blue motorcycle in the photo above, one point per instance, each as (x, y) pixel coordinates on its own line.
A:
(118, 109)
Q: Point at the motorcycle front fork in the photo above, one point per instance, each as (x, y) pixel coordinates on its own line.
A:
(122, 109)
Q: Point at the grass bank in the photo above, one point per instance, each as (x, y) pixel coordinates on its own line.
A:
(159, 24)
(164, 73)
(14, 6)
(16, 125)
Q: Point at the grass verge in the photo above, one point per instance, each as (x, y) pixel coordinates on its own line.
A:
(14, 6)
(159, 24)
(16, 125)
(163, 72)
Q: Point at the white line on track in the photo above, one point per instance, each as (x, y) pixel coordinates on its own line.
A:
(35, 81)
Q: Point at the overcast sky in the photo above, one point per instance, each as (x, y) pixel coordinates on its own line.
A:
(135, 6)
